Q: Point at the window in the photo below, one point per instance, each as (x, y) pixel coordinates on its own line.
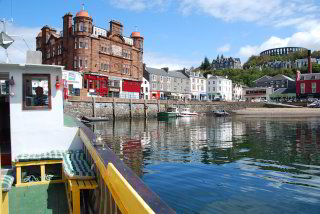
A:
(161, 78)
(220, 88)
(75, 62)
(168, 79)
(154, 77)
(125, 69)
(214, 88)
(53, 51)
(193, 87)
(213, 82)
(302, 88)
(314, 87)
(168, 87)
(193, 80)
(36, 91)
(154, 86)
(81, 26)
(85, 63)
(161, 86)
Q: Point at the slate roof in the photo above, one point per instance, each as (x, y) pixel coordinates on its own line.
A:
(263, 79)
(156, 71)
(282, 77)
(309, 76)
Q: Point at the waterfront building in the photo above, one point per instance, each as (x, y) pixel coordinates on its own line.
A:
(308, 85)
(281, 51)
(237, 91)
(226, 63)
(145, 88)
(72, 83)
(111, 63)
(257, 94)
(165, 84)
(276, 82)
(198, 84)
(219, 88)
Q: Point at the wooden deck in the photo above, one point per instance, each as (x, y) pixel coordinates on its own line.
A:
(44, 199)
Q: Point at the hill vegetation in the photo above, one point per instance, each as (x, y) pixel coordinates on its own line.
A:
(254, 69)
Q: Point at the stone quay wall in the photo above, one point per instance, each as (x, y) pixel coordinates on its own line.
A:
(131, 108)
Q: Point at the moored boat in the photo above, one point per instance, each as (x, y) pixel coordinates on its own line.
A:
(220, 113)
(171, 112)
(185, 112)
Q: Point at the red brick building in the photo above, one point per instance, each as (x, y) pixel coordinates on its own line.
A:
(308, 85)
(111, 63)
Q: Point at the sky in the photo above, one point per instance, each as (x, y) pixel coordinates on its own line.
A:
(177, 33)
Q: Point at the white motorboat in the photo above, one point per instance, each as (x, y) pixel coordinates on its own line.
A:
(185, 112)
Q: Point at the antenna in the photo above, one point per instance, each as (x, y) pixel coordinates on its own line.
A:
(82, 6)
(5, 39)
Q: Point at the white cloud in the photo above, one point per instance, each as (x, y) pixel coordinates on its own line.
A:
(157, 60)
(272, 12)
(17, 51)
(225, 48)
(308, 39)
(138, 5)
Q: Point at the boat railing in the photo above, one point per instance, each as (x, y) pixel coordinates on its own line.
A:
(120, 189)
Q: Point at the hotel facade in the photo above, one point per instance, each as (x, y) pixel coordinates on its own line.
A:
(111, 63)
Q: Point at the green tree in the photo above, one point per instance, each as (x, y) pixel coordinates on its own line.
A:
(205, 65)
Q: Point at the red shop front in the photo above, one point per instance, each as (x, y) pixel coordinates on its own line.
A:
(97, 83)
(131, 86)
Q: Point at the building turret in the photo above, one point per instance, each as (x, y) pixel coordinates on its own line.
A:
(137, 40)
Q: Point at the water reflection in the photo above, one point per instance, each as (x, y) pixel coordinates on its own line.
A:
(213, 162)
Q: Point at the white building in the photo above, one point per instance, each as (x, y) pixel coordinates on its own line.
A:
(145, 89)
(219, 88)
(198, 85)
(72, 80)
(237, 92)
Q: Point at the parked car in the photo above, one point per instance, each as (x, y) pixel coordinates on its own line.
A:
(315, 104)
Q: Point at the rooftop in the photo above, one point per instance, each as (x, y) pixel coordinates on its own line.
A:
(82, 13)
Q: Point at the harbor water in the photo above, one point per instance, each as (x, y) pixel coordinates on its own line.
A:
(223, 165)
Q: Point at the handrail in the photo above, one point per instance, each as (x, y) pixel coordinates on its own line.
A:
(128, 192)
(125, 196)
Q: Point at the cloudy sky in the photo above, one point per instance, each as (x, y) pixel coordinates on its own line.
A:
(179, 33)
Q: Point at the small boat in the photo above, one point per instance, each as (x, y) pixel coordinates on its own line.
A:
(171, 112)
(94, 119)
(220, 113)
(185, 112)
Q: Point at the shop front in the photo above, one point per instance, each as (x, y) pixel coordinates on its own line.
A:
(130, 89)
(96, 84)
(155, 95)
(72, 83)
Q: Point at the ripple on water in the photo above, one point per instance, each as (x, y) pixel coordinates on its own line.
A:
(224, 165)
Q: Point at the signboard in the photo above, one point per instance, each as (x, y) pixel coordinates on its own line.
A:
(114, 89)
(116, 50)
(71, 76)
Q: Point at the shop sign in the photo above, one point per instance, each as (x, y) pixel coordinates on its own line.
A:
(114, 89)
(72, 76)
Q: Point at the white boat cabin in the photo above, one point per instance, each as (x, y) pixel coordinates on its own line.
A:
(31, 110)
(173, 110)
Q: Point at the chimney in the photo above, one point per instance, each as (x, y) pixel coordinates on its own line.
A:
(166, 69)
(309, 62)
(116, 27)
